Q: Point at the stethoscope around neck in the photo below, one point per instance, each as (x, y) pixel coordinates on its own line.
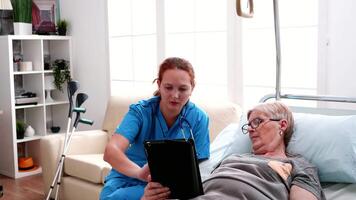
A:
(181, 122)
(184, 120)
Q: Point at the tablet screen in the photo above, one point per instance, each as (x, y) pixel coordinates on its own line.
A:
(173, 163)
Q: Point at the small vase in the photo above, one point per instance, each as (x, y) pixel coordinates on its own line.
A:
(21, 28)
(29, 131)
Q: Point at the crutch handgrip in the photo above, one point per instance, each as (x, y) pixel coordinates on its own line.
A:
(80, 110)
(72, 87)
(86, 121)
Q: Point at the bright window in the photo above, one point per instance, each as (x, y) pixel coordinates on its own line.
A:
(232, 57)
(132, 43)
(299, 49)
(144, 32)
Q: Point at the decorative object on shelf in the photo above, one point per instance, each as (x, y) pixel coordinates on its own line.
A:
(44, 17)
(62, 26)
(55, 129)
(20, 129)
(29, 132)
(49, 86)
(17, 58)
(22, 10)
(25, 66)
(6, 20)
(61, 73)
(16, 66)
(47, 61)
(26, 164)
(26, 98)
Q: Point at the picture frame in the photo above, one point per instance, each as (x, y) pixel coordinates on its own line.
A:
(44, 17)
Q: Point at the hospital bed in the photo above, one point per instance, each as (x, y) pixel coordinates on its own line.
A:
(343, 130)
(324, 136)
(328, 140)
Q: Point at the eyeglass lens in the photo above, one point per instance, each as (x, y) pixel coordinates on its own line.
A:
(254, 124)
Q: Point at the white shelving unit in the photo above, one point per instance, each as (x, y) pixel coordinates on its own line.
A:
(41, 116)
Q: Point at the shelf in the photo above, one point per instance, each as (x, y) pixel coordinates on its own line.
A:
(41, 51)
(27, 139)
(27, 72)
(30, 173)
(48, 71)
(56, 103)
(36, 37)
(29, 106)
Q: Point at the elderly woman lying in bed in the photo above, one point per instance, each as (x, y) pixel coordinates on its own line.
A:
(269, 173)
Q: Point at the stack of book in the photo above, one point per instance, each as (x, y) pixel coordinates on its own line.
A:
(27, 98)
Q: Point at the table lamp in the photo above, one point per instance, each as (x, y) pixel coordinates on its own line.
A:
(49, 86)
(4, 5)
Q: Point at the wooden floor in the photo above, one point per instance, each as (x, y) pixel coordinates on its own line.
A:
(27, 188)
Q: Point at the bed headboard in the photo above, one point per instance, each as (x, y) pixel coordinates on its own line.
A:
(323, 111)
(313, 110)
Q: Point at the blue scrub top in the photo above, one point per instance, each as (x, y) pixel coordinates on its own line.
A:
(144, 121)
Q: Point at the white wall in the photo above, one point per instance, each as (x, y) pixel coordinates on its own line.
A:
(342, 47)
(339, 74)
(88, 27)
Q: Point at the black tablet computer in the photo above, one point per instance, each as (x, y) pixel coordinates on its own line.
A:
(174, 164)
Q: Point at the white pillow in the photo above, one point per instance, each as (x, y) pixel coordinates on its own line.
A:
(217, 149)
(329, 142)
(230, 140)
(242, 143)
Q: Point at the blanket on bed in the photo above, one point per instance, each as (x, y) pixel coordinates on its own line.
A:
(257, 177)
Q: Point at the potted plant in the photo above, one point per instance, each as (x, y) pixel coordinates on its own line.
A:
(20, 129)
(61, 73)
(22, 10)
(62, 26)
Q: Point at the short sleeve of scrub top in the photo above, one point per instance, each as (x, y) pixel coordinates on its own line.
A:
(131, 123)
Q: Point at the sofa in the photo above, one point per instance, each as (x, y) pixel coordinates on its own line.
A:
(84, 167)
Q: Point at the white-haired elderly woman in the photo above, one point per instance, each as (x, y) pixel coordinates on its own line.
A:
(269, 172)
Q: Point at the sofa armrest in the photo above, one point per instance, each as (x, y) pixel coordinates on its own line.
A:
(83, 142)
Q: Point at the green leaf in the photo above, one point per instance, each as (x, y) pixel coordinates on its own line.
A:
(22, 10)
(61, 73)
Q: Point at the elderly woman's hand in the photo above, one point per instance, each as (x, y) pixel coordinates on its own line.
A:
(155, 191)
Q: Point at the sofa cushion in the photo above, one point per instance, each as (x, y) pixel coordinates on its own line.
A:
(105, 172)
(95, 142)
(221, 113)
(116, 109)
(77, 189)
(89, 167)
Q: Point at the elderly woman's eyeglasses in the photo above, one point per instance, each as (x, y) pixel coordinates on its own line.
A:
(255, 123)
